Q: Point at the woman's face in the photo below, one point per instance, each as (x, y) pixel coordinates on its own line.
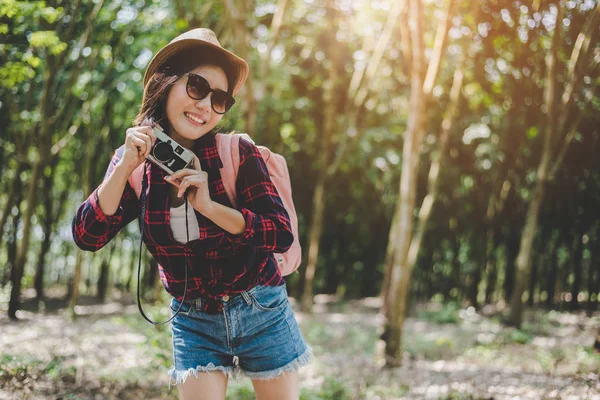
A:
(191, 119)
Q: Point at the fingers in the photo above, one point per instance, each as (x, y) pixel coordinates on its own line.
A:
(149, 122)
(196, 163)
(183, 182)
(186, 171)
(140, 144)
(189, 181)
(146, 140)
(143, 138)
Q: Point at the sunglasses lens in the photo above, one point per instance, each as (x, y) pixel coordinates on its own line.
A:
(221, 102)
(197, 87)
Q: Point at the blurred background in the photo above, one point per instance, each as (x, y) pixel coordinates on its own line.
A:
(444, 158)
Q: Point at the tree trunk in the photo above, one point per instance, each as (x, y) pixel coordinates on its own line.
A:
(102, 284)
(241, 43)
(19, 267)
(523, 263)
(579, 64)
(318, 206)
(533, 280)
(12, 251)
(102, 280)
(576, 256)
(436, 166)
(594, 279)
(74, 283)
(389, 258)
(48, 227)
(552, 274)
(491, 275)
(495, 214)
(512, 249)
(476, 277)
(456, 275)
(400, 275)
(12, 197)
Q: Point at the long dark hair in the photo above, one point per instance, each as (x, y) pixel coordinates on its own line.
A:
(154, 101)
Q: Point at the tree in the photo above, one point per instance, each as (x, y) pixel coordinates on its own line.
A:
(562, 120)
(405, 245)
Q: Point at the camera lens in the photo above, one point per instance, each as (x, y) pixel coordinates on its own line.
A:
(162, 151)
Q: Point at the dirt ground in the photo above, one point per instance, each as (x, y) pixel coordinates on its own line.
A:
(108, 351)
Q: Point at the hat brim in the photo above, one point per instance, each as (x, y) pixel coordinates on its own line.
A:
(236, 65)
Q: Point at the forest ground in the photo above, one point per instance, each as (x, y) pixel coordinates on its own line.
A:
(110, 352)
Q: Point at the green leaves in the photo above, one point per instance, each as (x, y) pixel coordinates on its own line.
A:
(532, 132)
(13, 73)
(47, 40)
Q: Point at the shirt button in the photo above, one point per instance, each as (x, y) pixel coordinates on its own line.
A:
(225, 298)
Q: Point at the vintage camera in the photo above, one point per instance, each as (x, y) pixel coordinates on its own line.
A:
(168, 154)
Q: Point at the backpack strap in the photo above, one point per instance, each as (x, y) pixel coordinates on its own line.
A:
(135, 179)
(228, 147)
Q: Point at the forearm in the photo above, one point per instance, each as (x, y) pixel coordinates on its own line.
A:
(228, 219)
(109, 194)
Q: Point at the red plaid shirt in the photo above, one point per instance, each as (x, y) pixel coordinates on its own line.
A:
(220, 263)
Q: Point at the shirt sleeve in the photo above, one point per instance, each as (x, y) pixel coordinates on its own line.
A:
(268, 224)
(91, 228)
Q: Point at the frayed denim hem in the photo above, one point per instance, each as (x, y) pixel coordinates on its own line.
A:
(178, 377)
(301, 361)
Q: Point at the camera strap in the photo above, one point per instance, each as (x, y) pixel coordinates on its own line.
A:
(187, 231)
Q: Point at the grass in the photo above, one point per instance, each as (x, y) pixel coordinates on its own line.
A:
(444, 314)
(17, 368)
(441, 348)
(347, 358)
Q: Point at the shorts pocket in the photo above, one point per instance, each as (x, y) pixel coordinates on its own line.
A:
(185, 308)
(269, 298)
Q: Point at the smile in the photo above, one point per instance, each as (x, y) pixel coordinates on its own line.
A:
(194, 118)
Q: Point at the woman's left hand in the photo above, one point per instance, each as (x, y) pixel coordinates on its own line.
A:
(197, 181)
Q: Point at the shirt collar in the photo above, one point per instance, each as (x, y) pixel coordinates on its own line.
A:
(206, 150)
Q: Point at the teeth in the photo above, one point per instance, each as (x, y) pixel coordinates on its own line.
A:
(193, 118)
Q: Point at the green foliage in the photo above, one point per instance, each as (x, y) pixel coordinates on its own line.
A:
(13, 73)
(516, 336)
(447, 313)
(439, 348)
(588, 360)
(17, 368)
(332, 389)
(390, 391)
(455, 395)
(493, 149)
(47, 40)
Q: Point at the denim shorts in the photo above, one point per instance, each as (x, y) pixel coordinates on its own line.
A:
(256, 335)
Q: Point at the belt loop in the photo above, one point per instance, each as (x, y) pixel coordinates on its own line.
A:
(246, 297)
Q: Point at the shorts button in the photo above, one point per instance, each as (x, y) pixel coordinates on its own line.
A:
(225, 298)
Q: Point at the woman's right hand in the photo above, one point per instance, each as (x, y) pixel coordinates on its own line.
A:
(138, 143)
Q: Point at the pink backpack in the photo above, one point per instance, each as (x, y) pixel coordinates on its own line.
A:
(229, 152)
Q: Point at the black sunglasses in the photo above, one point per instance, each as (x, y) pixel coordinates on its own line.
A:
(198, 88)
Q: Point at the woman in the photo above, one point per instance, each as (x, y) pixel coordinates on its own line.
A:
(236, 316)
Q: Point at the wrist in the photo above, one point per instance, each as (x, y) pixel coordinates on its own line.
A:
(208, 210)
(122, 169)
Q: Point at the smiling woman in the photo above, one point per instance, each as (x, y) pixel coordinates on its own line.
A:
(219, 268)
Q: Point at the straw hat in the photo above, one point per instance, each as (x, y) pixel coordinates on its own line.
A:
(196, 40)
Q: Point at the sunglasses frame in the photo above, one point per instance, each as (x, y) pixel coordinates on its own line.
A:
(210, 90)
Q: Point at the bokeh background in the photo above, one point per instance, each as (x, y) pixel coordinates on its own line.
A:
(444, 158)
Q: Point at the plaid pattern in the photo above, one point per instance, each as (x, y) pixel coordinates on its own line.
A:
(220, 263)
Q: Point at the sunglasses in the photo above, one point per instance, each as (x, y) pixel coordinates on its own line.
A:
(198, 88)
